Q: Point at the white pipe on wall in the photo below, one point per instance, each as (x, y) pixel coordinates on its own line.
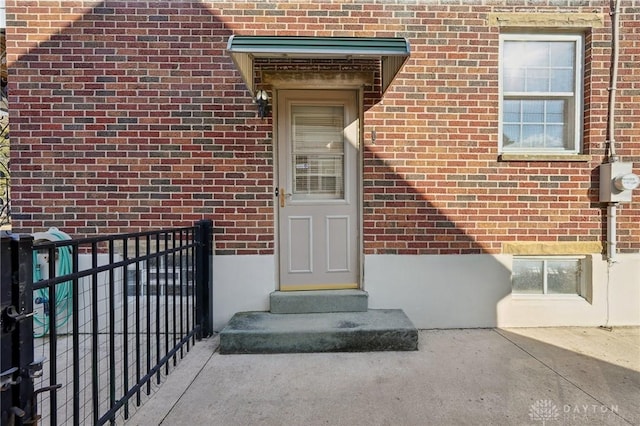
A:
(611, 208)
(611, 232)
(613, 80)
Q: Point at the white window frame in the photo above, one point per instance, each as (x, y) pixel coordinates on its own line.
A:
(575, 123)
(581, 286)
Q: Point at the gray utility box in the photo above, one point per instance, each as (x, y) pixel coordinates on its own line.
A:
(617, 182)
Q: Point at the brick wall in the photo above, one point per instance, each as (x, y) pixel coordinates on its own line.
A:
(129, 115)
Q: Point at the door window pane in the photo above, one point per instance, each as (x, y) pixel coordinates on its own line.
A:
(315, 174)
(318, 152)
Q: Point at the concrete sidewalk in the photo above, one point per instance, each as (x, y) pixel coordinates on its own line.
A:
(573, 376)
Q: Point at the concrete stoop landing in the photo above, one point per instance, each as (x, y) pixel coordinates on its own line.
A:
(328, 325)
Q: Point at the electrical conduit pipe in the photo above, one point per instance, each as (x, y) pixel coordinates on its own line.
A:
(613, 157)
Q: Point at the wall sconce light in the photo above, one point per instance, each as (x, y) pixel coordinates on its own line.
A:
(262, 98)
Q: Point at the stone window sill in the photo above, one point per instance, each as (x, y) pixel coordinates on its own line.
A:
(545, 157)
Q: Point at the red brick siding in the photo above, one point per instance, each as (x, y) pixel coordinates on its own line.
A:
(130, 115)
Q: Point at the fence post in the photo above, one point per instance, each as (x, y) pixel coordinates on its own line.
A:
(202, 274)
(16, 290)
(6, 337)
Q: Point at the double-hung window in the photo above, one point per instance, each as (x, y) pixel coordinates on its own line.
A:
(541, 93)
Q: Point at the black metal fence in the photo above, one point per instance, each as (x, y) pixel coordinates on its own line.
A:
(90, 326)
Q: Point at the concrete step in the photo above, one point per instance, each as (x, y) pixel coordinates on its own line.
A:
(372, 330)
(303, 302)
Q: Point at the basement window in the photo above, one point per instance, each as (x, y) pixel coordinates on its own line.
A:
(549, 276)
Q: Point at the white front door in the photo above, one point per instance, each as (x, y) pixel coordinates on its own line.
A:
(318, 180)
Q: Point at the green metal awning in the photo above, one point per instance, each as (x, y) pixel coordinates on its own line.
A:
(392, 52)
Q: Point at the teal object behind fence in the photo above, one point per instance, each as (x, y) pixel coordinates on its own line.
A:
(64, 292)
